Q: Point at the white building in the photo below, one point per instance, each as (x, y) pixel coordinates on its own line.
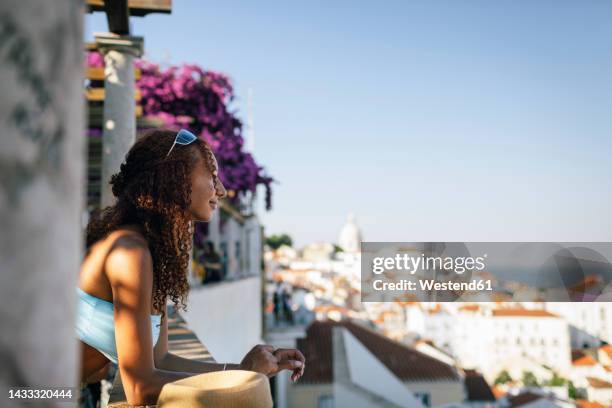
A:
(534, 334)
(238, 239)
(284, 255)
(214, 308)
(591, 322)
(318, 252)
(584, 366)
(515, 340)
(350, 236)
(599, 391)
(349, 365)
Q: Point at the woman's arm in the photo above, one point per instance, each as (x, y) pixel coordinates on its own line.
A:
(130, 273)
(172, 362)
(129, 268)
(263, 359)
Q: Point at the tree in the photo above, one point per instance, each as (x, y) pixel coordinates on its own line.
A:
(529, 379)
(276, 241)
(556, 381)
(572, 392)
(503, 378)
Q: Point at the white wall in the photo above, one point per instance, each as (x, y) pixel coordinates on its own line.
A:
(601, 395)
(493, 343)
(226, 317)
(545, 340)
(300, 395)
(594, 321)
(253, 246)
(440, 392)
(353, 397)
(368, 373)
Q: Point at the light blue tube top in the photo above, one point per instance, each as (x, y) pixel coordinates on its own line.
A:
(95, 324)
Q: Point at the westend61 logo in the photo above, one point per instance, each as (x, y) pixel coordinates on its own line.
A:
(412, 264)
(486, 271)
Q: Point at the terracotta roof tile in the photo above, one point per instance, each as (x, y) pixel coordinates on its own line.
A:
(522, 313)
(588, 282)
(405, 362)
(580, 358)
(598, 383)
(588, 404)
(470, 308)
(607, 349)
(498, 391)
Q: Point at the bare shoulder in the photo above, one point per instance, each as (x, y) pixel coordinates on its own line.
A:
(128, 262)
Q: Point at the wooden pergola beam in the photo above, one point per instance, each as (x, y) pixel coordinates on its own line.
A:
(97, 73)
(118, 16)
(137, 8)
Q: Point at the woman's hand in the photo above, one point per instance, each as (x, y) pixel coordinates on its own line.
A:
(264, 359)
(291, 359)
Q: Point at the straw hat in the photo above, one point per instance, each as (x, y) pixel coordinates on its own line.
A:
(223, 389)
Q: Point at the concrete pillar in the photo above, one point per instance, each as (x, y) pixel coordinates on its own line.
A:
(282, 382)
(42, 192)
(119, 132)
(214, 229)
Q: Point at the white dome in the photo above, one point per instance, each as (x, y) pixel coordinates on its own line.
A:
(350, 236)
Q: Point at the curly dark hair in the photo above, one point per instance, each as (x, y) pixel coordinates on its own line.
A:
(154, 192)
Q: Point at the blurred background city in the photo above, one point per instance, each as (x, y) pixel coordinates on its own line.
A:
(340, 122)
(453, 120)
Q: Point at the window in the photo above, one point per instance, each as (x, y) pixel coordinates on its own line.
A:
(424, 398)
(326, 401)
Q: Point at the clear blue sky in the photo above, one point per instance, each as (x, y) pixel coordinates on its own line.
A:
(430, 120)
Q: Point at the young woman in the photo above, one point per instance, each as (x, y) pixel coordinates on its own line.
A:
(137, 257)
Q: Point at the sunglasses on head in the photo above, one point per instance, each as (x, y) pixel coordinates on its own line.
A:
(183, 137)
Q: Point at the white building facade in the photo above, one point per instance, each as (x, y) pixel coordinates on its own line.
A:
(504, 339)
